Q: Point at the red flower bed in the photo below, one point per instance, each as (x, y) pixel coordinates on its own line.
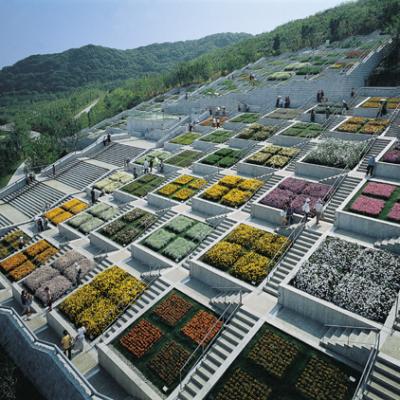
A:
(368, 206)
(141, 337)
(172, 309)
(382, 190)
(394, 213)
(198, 327)
(168, 362)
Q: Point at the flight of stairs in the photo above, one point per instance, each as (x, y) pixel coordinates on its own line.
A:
(145, 301)
(345, 188)
(31, 200)
(231, 337)
(375, 149)
(354, 344)
(81, 175)
(390, 244)
(4, 221)
(384, 380)
(117, 153)
(296, 252)
(218, 232)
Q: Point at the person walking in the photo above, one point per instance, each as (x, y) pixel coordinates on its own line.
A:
(146, 166)
(319, 96)
(78, 270)
(79, 338)
(161, 166)
(21, 242)
(353, 93)
(370, 166)
(306, 209)
(105, 141)
(345, 107)
(214, 122)
(40, 224)
(218, 121)
(151, 162)
(54, 170)
(24, 303)
(283, 218)
(66, 344)
(287, 102)
(134, 173)
(49, 299)
(108, 138)
(312, 115)
(319, 207)
(278, 102)
(93, 195)
(289, 214)
(327, 112)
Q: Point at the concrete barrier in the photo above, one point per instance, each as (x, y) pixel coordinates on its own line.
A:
(315, 171)
(209, 208)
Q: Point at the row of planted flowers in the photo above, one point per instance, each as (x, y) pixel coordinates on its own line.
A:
(11, 242)
(113, 182)
(247, 253)
(65, 211)
(178, 238)
(224, 158)
(182, 188)
(277, 366)
(143, 185)
(273, 156)
(161, 342)
(97, 304)
(377, 200)
(232, 191)
(392, 156)
(21, 264)
(369, 126)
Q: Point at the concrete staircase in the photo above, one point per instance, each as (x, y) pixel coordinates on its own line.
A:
(376, 148)
(117, 153)
(272, 181)
(32, 199)
(220, 231)
(81, 175)
(384, 380)
(146, 300)
(100, 267)
(296, 252)
(346, 187)
(4, 221)
(354, 344)
(389, 244)
(231, 337)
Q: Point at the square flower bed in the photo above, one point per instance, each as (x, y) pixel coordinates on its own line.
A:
(336, 153)
(21, 264)
(376, 200)
(303, 130)
(93, 218)
(65, 211)
(160, 342)
(359, 279)
(186, 138)
(374, 102)
(113, 182)
(257, 132)
(296, 191)
(284, 113)
(9, 243)
(209, 121)
(219, 136)
(369, 126)
(232, 191)
(273, 156)
(223, 158)
(246, 118)
(175, 240)
(247, 253)
(280, 76)
(155, 155)
(97, 304)
(184, 158)
(392, 156)
(275, 365)
(334, 108)
(143, 185)
(127, 228)
(182, 188)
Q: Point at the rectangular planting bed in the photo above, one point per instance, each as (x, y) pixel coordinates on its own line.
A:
(113, 181)
(276, 366)
(252, 134)
(283, 113)
(139, 188)
(10, 242)
(388, 167)
(65, 211)
(184, 159)
(162, 340)
(359, 128)
(246, 118)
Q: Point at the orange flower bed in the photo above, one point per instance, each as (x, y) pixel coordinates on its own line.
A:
(36, 248)
(172, 309)
(200, 325)
(22, 271)
(45, 255)
(61, 217)
(141, 338)
(12, 262)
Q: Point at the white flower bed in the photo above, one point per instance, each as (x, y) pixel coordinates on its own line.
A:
(358, 279)
(336, 153)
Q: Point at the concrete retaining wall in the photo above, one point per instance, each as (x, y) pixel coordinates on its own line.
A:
(385, 170)
(209, 208)
(253, 170)
(315, 171)
(158, 201)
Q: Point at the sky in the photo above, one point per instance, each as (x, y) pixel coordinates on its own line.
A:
(49, 26)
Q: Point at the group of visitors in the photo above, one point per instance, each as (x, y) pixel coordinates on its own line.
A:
(41, 223)
(107, 139)
(282, 102)
(287, 213)
(68, 343)
(321, 96)
(243, 107)
(216, 122)
(382, 108)
(148, 165)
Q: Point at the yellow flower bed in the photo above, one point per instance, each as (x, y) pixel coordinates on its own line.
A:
(22, 271)
(347, 127)
(215, 192)
(197, 183)
(251, 185)
(247, 253)
(70, 204)
(65, 211)
(97, 304)
(13, 261)
(230, 181)
(183, 179)
(78, 208)
(45, 255)
(236, 198)
(168, 189)
(182, 188)
(37, 248)
(357, 120)
(61, 217)
(53, 213)
(183, 194)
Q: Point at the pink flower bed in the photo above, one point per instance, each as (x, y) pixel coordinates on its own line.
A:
(394, 214)
(317, 190)
(382, 190)
(368, 206)
(293, 184)
(392, 156)
(278, 198)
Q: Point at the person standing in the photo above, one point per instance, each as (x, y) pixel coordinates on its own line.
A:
(54, 170)
(278, 102)
(21, 242)
(345, 107)
(23, 302)
(134, 172)
(306, 209)
(105, 141)
(49, 299)
(78, 270)
(218, 121)
(146, 166)
(287, 102)
(289, 214)
(327, 112)
(93, 195)
(312, 115)
(108, 138)
(214, 122)
(80, 337)
(66, 344)
(319, 207)
(161, 166)
(353, 93)
(151, 162)
(370, 166)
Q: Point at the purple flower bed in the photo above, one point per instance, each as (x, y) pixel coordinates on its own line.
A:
(392, 156)
(368, 206)
(394, 213)
(382, 190)
(296, 191)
